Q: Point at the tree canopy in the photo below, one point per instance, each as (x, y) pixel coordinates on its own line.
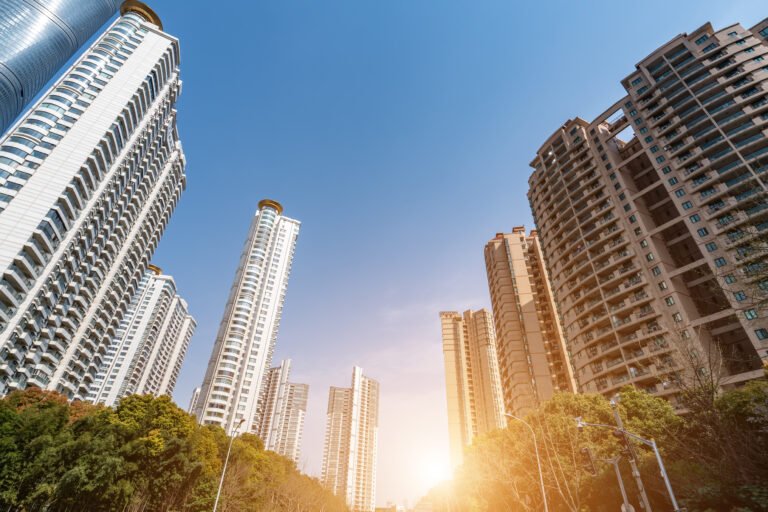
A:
(144, 455)
(717, 457)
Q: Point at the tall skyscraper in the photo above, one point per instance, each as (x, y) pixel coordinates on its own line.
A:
(351, 438)
(472, 382)
(647, 213)
(146, 354)
(285, 405)
(38, 38)
(533, 358)
(233, 388)
(88, 181)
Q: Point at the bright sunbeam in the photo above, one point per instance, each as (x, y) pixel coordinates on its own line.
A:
(433, 471)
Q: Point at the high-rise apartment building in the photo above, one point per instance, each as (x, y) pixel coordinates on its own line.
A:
(472, 382)
(646, 215)
(233, 389)
(150, 343)
(38, 39)
(533, 357)
(351, 438)
(285, 405)
(193, 400)
(88, 180)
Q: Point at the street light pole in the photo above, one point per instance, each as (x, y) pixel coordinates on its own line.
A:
(538, 459)
(226, 461)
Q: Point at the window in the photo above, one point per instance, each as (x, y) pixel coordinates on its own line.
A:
(633, 113)
(632, 219)
(677, 317)
(694, 218)
(643, 243)
(672, 181)
(761, 334)
(679, 192)
(663, 285)
(729, 279)
(644, 130)
(759, 59)
(702, 39)
(687, 205)
(649, 256)
(711, 247)
(720, 262)
(660, 159)
(702, 232)
(656, 271)
(654, 149)
(739, 296)
(764, 32)
(666, 169)
(732, 33)
(750, 314)
(670, 301)
(710, 47)
(640, 79)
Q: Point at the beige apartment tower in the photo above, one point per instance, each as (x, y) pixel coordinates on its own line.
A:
(351, 442)
(472, 383)
(647, 216)
(533, 359)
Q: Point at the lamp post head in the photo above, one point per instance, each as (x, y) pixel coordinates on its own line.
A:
(579, 423)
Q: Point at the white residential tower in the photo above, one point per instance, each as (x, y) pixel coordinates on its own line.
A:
(233, 388)
(282, 419)
(146, 355)
(89, 178)
(351, 442)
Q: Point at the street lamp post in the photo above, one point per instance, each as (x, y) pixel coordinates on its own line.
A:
(226, 461)
(538, 460)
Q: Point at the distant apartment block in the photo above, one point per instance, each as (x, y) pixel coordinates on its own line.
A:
(472, 382)
(193, 400)
(146, 355)
(351, 439)
(284, 409)
(234, 385)
(647, 215)
(533, 358)
(89, 178)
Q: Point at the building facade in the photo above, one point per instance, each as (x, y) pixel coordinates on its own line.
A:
(234, 385)
(533, 358)
(88, 180)
(646, 216)
(38, 39)
(285, 406)
(351, 442)
(472, 381)
(148, 350)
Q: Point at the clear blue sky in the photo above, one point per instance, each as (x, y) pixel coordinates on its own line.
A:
(399, 132)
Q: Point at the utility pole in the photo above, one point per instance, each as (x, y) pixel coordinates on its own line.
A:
(632, 456)
(626, 507)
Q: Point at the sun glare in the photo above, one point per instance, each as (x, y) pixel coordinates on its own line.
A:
(433, 472)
